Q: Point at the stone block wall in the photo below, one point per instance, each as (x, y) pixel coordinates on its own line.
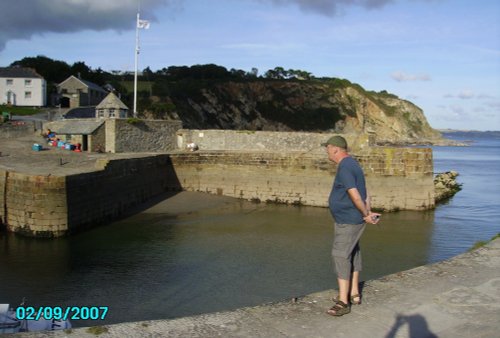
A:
(141, 136)
(245, 140)
(33, 205)
(51, 206)
(105, 195)
(16, 129)
(97, 140)
(397, 178)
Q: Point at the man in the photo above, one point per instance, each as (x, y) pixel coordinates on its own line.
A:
(350, 207)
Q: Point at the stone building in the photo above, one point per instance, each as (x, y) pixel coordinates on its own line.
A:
(111, 107)
(76, 92)
(90, 134)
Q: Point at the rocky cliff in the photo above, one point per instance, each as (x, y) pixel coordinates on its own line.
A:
(311, 105)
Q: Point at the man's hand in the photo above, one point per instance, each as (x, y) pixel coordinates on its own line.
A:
(372, 218)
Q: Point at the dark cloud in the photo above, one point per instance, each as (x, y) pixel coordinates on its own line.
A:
(21, 19)
(330, 7)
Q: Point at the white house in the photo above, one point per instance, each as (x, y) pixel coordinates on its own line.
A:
(22, 87)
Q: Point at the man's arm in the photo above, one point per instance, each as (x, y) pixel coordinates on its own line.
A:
(362, 206)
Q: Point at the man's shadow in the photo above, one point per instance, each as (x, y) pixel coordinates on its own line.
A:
(417, 325)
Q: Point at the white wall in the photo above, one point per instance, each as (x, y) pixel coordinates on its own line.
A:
(19, 89)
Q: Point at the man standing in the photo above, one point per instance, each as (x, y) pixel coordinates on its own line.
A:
(350, 207)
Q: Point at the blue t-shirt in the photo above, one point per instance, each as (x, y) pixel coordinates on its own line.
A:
(349, 175)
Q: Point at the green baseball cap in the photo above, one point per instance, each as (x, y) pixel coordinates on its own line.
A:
(337, 141)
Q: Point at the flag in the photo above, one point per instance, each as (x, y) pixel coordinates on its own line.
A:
(143, 24)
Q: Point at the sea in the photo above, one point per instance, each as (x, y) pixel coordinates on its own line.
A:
(212, 253)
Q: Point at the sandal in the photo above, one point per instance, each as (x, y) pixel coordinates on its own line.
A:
(356, 302)
(352, 299)
(339, 309)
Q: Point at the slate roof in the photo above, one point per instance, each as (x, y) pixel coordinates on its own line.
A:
(74, 127)
(89, 84)
(19, 72)
(111, 101)
(81, 113)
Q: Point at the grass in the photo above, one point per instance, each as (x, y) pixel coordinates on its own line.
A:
(15, 110)
(141, 86)
(480, 244)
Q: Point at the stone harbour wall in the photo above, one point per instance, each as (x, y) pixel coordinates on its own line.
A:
(33, 205)
(128, 135)
(107, 194)
(244, 140)
(46, 206)
(52, 206)
(14, 129)
(397, 178)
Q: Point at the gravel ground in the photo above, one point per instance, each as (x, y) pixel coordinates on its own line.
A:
(17, 155)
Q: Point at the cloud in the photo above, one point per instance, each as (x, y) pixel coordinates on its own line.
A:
(403, 77)
(330, 7)
(466, 94)
(22, 19)
(452, 113)
(485, 96)
(457, 110)
(494, 104)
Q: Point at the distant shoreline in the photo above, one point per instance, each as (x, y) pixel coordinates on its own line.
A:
(469, 131)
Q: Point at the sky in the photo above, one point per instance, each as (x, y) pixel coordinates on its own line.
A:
(442, 55)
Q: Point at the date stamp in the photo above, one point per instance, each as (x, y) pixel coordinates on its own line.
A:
(62, 313)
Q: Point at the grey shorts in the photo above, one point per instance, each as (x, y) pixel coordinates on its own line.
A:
(345, 251)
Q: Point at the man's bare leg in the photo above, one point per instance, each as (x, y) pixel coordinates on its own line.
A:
(355, 287)
(339, 309)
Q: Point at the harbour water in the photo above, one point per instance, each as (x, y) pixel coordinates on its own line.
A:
(194, 253)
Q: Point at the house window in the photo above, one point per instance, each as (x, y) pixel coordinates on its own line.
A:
(9, 82)
(27, 83)
(100, 113)
(27, 95)
(111, 112)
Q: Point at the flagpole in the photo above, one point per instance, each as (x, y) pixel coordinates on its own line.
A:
(136, 57)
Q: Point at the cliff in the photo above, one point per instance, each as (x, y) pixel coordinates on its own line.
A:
(296, 105)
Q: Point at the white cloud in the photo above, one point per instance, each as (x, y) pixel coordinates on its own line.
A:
(457, 110)
(466, 94)
(403, 77)
(485, 96)
(494, 105)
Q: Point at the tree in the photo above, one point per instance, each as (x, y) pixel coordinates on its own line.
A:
(277, 73)
(80, 70)
(254, 72)
(53, 71)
